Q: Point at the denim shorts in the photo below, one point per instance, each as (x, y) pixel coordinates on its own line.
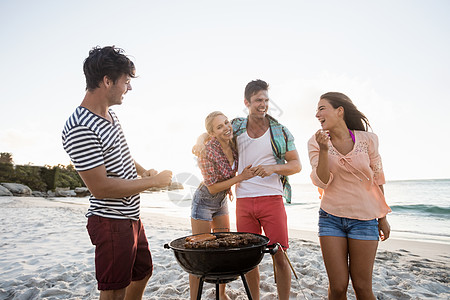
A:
(206, 206)
(330, 225)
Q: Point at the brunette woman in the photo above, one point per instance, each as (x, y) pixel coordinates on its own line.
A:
(218, 163)
(346, 166)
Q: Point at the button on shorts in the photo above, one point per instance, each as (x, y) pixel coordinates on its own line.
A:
(330, 225)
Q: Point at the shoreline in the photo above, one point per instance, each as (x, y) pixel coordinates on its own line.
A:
(429, 250)
(46, 253)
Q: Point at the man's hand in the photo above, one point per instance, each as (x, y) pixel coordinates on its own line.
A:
(102, 186)
(162, 179)
(263, 170)
(197, 149)
(149, 173)
(200, 144)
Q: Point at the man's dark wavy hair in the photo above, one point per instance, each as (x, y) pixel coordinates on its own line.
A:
(254, 87)
(107, 61)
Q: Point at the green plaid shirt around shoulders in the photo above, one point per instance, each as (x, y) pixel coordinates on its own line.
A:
(282, 141)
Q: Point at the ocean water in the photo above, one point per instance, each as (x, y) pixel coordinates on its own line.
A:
(420, 208)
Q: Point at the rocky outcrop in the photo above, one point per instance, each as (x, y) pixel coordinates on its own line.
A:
(64, 192)
(17, 189)
(82, 191)
(175, 186)
(39, 194)
(4, 191)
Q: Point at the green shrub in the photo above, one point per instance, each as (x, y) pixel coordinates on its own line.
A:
(67, 176)
(6, 172)
(39, 178)
(31, 177)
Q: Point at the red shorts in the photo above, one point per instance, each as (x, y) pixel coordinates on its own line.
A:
(267, 212)
(122, 254)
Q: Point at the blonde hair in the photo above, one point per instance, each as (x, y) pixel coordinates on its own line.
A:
(209, 121)
(209, 126)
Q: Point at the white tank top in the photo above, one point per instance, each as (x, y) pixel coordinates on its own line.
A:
(257, 152)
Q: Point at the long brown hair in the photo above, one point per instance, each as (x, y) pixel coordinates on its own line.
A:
(354, 119)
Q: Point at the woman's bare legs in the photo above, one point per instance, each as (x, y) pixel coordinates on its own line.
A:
(198, 226)
(344, 257)
(362, 257)
(335, 256)
(221, 223)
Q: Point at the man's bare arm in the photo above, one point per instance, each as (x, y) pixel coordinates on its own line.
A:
(102, 186)
(141, 171)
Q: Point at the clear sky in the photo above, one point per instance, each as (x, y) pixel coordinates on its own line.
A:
(392, 58)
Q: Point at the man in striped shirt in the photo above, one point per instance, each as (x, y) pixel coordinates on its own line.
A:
(95, 142)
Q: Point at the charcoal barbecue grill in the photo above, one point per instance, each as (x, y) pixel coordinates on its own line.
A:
(221, 265)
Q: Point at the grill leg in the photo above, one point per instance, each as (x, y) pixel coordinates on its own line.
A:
(217, 290)
(200, 288)
(247, 290)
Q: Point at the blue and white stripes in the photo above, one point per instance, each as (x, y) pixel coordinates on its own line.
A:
(92, 141)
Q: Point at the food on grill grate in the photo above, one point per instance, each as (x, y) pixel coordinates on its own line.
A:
(221, 240)
(201, 237)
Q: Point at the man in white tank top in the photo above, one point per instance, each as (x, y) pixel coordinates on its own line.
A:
(259, 199)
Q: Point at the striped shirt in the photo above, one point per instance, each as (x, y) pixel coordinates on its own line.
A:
(92, 141)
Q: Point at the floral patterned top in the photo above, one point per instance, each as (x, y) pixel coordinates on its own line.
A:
(353, 188)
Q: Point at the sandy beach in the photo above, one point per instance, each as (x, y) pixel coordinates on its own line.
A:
(46, 254)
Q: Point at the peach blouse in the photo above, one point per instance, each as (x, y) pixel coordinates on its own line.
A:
(353, 188)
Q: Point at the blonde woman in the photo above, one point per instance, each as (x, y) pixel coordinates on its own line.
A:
(218, 163)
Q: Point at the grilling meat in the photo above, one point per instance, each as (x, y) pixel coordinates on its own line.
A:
(221, 240)
(201, 237)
